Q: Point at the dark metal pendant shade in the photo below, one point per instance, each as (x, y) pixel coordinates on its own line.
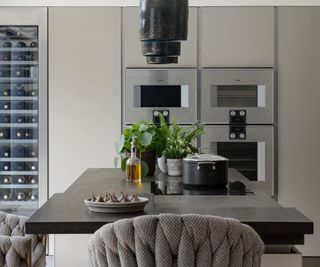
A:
(163, 24)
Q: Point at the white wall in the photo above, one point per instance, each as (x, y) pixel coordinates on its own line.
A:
(84, 91)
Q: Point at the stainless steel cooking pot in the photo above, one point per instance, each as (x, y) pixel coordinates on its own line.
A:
(205, 170)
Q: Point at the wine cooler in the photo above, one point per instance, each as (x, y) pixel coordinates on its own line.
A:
(23, 109)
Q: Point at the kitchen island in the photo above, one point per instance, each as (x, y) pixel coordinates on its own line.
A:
(66, 213)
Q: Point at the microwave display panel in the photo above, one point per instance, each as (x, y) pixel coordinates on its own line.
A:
(160, 96)
(168, 96)
(237, 96)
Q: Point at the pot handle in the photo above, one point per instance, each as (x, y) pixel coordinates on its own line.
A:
(206, 163)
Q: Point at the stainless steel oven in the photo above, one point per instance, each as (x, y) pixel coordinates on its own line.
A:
(172, 92)
(237, 95)
(249, 149)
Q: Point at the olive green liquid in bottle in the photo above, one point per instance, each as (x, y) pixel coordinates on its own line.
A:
(133, 166)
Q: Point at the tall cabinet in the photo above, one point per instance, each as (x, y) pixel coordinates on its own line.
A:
(298, 110)
(84, 103)
(23, 109)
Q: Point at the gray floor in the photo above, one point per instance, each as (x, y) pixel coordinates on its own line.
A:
(307, 261)
(50, 261)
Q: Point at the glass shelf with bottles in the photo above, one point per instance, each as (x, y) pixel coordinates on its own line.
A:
(12, 195)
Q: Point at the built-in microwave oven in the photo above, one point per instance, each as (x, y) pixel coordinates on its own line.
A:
(149, 92)
(224, 92)
(252, 156)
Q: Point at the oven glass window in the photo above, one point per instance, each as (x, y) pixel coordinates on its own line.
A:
(242, 157)
(160, 96)
(235, 96)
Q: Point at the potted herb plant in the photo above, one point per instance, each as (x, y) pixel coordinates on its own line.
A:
(143, 133)
(179, 145)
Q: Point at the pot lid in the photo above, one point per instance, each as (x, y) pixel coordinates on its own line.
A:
(204, 158)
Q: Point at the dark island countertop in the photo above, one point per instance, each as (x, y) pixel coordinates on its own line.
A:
(66, 213)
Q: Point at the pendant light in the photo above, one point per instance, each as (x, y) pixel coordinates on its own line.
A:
(163, 24)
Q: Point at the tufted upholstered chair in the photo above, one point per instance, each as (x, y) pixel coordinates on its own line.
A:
(176, 240)
(18, 249)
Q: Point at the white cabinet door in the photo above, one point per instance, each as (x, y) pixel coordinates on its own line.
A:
(236, 36)
(84, 90)
(298, 115)
(132, 49)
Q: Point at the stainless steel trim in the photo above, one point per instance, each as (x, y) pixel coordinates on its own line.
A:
(136, 77)
(255, 133)
(220, 115)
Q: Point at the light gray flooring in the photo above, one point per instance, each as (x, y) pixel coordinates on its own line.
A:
(50, 261)
(307, 261)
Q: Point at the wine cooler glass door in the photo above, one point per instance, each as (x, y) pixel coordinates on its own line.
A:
(19, 121)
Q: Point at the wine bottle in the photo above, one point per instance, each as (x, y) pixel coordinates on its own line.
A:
(32, 152)
(30, 134)
(33, 92)
(6, 92)
(7, 44)
(6, 196)
(7, 180)
(17, 133)
(5, 105)
(4, 118)
(21, 44)
(4, 133)
(6, 57)
(33, 180)
(34, 44)
(31, 166)
(34, 196)
(19, 119)
(31, 105)
(21, 57)
(32, 119)
(5, 151)
(21, 196)
(4, 166)
(21, 180)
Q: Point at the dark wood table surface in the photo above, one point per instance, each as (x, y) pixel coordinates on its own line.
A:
(66, 213)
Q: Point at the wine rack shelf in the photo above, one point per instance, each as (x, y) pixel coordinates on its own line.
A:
(19, 186)
(18, 141)
(18, 173)
(19, 125)
(30, 62)
(18, 79)
(18, 49)
(18, 111)
(18, 159)
(19, 98)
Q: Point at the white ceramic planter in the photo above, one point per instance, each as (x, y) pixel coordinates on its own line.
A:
(162, 163)
(174, 167)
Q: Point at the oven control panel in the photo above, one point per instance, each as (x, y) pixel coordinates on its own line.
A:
(237, 116)
(156, 116)
(237, 132)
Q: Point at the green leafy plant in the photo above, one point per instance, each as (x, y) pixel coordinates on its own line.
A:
(143, 133)
(179, 140)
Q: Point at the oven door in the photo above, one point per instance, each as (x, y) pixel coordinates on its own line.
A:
(148, 91)
(252, 156)
(224, 91)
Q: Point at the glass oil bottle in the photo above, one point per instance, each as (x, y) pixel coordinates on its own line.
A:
(133, 166)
